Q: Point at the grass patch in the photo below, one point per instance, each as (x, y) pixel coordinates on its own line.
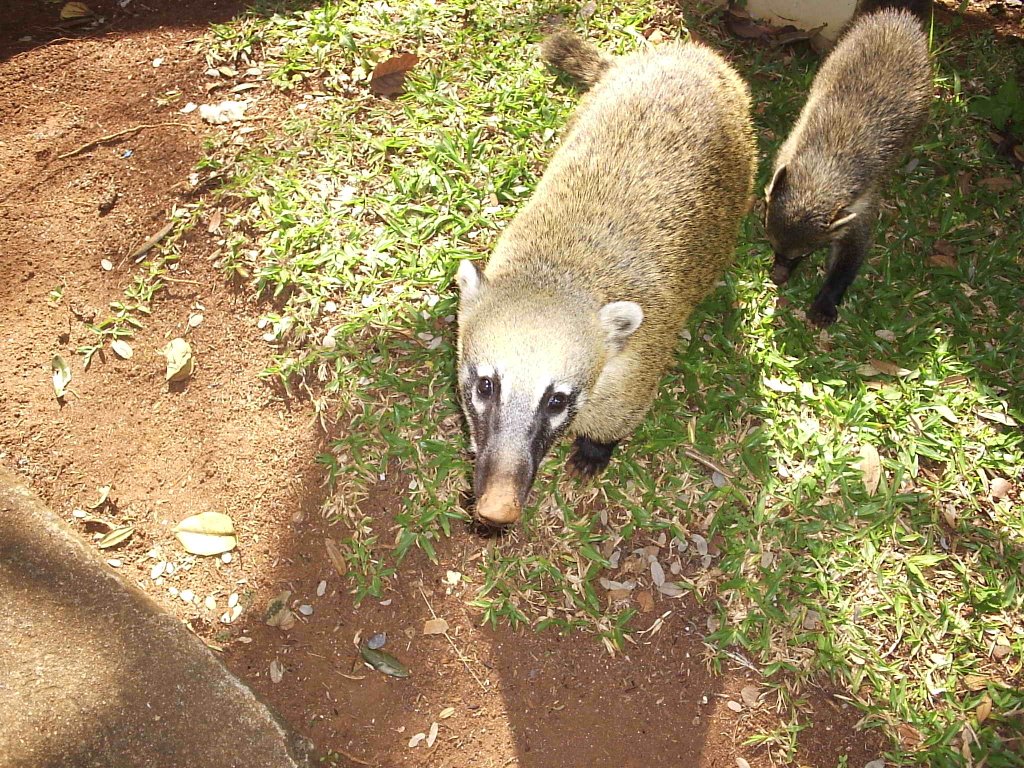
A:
(350, 217)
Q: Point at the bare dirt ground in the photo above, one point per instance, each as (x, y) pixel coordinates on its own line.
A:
(229, 442)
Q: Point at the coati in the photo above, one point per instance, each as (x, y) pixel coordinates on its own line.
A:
(577, 314)
(866, 104)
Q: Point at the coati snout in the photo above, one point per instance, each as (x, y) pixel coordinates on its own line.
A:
(576, 317)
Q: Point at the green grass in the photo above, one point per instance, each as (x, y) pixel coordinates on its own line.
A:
(350, 217)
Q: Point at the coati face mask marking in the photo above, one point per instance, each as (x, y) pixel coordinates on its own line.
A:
(512, 427)
(522, 382)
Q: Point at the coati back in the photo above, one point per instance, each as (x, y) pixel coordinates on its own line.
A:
(866, 105)
(577, 314)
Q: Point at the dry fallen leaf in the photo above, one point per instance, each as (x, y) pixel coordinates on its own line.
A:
(435, 627)
(102, 499)
(657, 573)
(910, 737)
(751, 695)
(75, 11)
(116, 536)
(180, 362)
(812, 621)
(388, 76)
(432, 735)
(1000, 488)
(645, 600)
(984, 709)
(336, 557)
(889, 369)
(942, 261)
(946, 412)
(446, 713)
(871, 467)
(122, 349)
(214, 223)
(208, 533)
(742, 25)
(976, 682)
(998, 418)
(279, 614)
(998, 184)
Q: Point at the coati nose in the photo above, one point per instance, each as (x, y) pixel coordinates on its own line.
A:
(499, 504)
(781, 271)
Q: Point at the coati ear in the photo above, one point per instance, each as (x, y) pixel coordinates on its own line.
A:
(471, 281)
(843, 217)
(619, 320)
(776, 183)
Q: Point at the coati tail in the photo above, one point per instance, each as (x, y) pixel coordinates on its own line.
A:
(577, 58)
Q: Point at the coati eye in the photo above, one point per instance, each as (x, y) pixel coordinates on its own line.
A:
(557, 403)
(485, 387)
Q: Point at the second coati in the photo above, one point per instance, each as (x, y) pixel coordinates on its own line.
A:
(576, 317)
(867, 103)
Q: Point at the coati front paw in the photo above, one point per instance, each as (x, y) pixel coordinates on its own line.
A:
(823, 313)
(589, 458)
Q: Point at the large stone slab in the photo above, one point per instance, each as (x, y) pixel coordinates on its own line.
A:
(94, 675)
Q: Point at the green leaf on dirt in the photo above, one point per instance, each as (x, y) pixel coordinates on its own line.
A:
(122, 348)
(388, 76)
(116, 536)
(208, 533)
(180, 362)
(61, 376)
(104, 495)
(382, 661)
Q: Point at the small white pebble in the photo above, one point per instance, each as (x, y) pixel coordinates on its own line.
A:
(210, 603)
(80, 513)
(232, 600)
(114, 563)
(169, 569)
(172, 591)
(321, 589)
(187, 595)
(225, 558)
(157, 570)
(306, 610)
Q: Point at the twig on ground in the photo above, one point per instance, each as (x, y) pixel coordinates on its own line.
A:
(710, 463)
(117, 135)
(143, 249)
(462, 657)
(351, 757)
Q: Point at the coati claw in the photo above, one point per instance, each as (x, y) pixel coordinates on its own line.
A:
(823, 314)
(588, 458)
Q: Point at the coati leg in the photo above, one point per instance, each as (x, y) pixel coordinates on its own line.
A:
(589, 458)
(848, 253)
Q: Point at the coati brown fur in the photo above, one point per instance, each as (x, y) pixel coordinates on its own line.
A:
(576, 317)
(866, 105)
